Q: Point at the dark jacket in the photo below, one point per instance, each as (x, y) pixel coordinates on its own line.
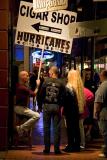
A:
(52, 91)
(71, 109)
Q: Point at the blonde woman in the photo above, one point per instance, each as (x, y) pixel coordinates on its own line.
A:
(74, 108)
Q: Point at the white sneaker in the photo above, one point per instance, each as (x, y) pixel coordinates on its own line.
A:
(82, 147)
(102, 155)
(19, 131)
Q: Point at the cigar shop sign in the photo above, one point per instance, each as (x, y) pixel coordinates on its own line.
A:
(53, 27)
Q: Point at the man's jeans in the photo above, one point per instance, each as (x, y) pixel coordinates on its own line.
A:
(33, 116)
(103, 128)
(51, 111)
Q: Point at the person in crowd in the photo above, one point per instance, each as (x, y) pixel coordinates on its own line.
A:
(88, 120)
(91, 84)
(52, 98)
(78, 86)
(96, 78)
(39, 102)
(71, 112)
(100, 109)
(22, 98)
(89, 81)
(32, 83)
(32, 79)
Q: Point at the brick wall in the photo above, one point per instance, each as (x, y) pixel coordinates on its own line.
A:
(4, 20)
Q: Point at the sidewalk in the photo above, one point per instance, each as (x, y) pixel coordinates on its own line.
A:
(91, 153)
(36, 153)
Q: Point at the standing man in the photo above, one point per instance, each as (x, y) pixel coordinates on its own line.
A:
(23, 94)
(89, 81)
(52, 97)
(32, 83)
(100, 109)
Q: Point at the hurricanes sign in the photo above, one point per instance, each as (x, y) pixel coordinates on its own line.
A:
(33, 27)
(37, 41)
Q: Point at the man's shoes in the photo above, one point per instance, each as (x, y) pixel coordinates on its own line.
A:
(102, 155)
(70, 149)
(19, 131)
(67, 149)
(58, 152)
(46, 151)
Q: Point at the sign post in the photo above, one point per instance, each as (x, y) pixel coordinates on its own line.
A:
(41, 58)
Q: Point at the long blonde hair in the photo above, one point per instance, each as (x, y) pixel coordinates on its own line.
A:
(75, 81)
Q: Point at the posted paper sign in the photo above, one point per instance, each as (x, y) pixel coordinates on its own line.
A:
(49, 5)
(54, 24)
(37, 41)
(32, 28)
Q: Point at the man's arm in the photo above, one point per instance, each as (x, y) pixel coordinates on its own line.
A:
(34, 93)
(97, 109)
(38, 84)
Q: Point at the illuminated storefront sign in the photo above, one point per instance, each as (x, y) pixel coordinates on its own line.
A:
(46, 56)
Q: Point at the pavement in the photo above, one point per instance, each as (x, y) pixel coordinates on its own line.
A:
(36, 152)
